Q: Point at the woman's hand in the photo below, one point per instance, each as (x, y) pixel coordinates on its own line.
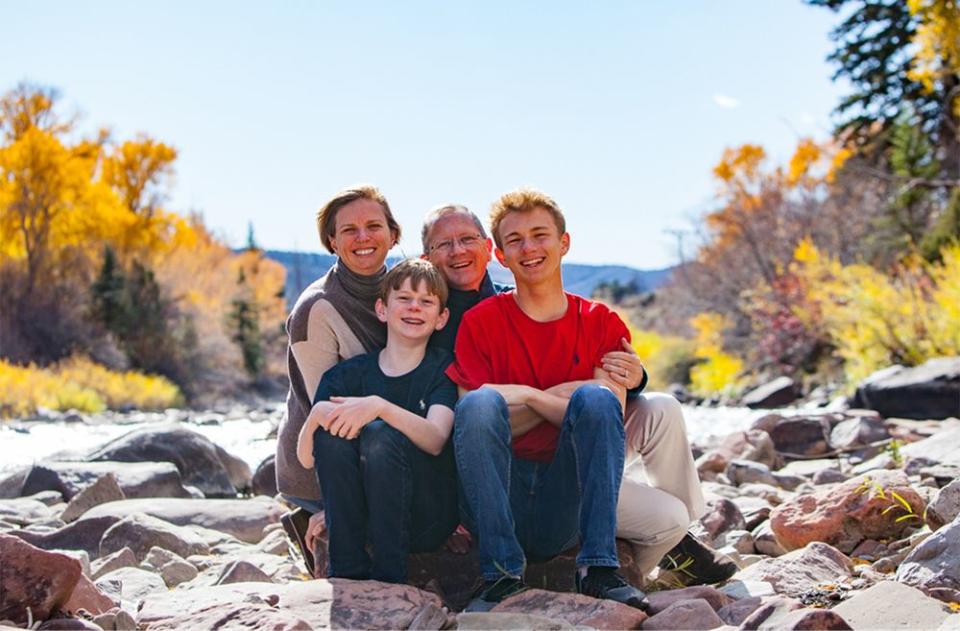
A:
(624, 367)
(459, 540)
(352, 414)
(316, 527)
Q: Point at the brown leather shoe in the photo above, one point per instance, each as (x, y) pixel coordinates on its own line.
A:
(295, 524)
(698, 563)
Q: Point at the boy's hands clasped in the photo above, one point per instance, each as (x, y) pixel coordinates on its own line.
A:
(348, 415)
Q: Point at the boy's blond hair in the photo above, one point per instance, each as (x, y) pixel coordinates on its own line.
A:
(416, 271)
(523, 200)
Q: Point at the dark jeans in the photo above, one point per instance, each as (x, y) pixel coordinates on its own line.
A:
(383, 490)
(519, 507)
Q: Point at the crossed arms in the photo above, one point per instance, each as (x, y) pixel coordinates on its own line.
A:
(529, 406)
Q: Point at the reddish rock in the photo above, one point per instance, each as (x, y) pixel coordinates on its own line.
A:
(804, 436)
(722, 516)
(33, 579)
(772, 394)
(105, 489)
(665, 598)
(857, 432)
(137, 479)
(83, 534)
(770, 612)
(240, 615)
(848, 513)
(945, 506)
(243, 519)
(753, 444)
(575, 609)
(807, 620)
(164, 605)
(141, 532)
(131, 584)
(892, 605)
(68, 624)
(935, 563)
(797, 571)
(739, 610)
(121, 558)
(688, 614)
(455, 576)
(242, 572)
(486, 621)
(713, 461)
(265, 477)
(88, 596)
(334, 603)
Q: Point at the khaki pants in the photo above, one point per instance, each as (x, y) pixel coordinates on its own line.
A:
(660, 495)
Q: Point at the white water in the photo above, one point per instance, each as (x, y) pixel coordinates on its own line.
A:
(23, 443)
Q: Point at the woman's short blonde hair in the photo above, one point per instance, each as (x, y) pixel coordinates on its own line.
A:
(327, 215)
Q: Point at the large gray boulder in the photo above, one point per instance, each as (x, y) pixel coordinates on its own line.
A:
(323, 604)
(243, 519)
(800, 570)
(773, 394)
(83, 534)
(945, 506)
(935, 563)
(136, 479)
(199, 460)
(265, 477)
(892, 605)
(141, 533)
(928, 391)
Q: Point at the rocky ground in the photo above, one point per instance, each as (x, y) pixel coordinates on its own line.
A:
(838, 520)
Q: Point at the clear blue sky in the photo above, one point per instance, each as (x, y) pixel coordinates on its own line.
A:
(617, 109)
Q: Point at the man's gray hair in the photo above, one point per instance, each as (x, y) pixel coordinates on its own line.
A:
(442, 211)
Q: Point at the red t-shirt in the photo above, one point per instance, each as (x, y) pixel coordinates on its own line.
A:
(499, 344)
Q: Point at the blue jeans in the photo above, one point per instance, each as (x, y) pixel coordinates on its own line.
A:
(382, 489)
(520, 507)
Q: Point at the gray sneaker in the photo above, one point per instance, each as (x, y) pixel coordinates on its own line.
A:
(604, 582)
(492, 593)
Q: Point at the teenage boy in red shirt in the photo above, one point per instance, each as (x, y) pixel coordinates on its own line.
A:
(535, 484)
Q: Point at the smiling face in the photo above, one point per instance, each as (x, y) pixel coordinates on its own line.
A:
(362, 237)
(532, 246)
(459, 251)
(412, 312)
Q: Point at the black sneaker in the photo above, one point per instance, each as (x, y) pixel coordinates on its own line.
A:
(295, 524)
(492, 593)
(698, 563)
(604, 582)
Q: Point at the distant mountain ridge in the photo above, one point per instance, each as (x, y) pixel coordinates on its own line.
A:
(303, 268)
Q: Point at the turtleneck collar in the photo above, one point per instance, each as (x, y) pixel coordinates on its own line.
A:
(359, 285)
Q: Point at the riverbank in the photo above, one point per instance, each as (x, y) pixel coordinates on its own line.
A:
(836, 519)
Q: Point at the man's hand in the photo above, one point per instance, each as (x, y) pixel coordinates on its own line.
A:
(351, 415)
(514, 394)
(624, 367)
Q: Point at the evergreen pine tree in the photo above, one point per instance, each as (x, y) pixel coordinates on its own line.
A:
(245, 323)
(110, 302)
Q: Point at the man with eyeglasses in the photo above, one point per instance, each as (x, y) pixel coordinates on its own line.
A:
(660, 495)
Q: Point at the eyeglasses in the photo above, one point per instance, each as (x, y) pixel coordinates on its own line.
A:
(466, 242)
